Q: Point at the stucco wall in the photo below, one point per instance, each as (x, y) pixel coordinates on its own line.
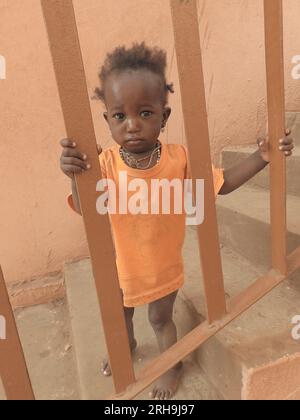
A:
(38, 231)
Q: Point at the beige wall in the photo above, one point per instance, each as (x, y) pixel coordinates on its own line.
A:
(38, 231)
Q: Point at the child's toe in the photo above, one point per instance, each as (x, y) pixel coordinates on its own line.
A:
(158, 394)
(168, 395)
(152, 394)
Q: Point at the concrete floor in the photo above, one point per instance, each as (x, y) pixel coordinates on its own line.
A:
(45, 334)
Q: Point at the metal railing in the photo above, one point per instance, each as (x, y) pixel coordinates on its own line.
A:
(70, 75)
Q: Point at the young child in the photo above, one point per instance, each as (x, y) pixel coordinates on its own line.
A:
(148, 247)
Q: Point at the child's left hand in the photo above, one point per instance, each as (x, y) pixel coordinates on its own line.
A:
(286, 145)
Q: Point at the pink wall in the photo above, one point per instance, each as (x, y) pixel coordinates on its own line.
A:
(38, 231)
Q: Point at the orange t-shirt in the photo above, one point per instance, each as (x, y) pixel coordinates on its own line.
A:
(149, 246)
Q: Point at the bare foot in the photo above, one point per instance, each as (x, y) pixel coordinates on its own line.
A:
(167, 385)
(105, 367)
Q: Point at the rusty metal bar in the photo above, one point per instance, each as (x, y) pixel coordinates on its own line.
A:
(69, 69)
(189, 61)
(236, 307)
(276, 117)
(13, 369)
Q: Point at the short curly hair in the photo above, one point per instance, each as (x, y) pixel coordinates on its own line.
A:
(139, 56)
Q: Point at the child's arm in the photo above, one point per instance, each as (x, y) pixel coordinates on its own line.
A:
(237, 175)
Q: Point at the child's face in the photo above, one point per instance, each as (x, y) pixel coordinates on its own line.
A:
(135, 109)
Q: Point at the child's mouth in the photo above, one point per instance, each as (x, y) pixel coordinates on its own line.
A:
(134, 142)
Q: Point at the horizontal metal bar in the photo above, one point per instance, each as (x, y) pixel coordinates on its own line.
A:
(293, 261)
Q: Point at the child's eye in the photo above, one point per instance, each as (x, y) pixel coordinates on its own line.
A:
(146, 113)
(118, 116)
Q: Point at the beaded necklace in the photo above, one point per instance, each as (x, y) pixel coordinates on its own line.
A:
(135, 163)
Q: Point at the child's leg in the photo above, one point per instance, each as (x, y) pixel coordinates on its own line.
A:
(161, 320)
(128, 312)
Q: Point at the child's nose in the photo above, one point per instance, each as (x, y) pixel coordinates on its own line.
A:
(132, 125)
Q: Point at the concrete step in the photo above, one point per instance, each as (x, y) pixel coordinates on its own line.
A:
(233, 155)
(90, 347)
(244, 224)
(254, 357)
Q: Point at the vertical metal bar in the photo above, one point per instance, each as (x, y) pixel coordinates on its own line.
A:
(13, 369)
(68, 64)
(189, 61)
(276, 117)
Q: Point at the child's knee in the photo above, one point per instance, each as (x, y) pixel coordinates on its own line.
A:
(158, 319)
(161, 311)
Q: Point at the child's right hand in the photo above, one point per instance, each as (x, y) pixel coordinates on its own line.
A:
(72, 161)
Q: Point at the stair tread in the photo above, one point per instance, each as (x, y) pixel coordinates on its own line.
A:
(269, 321)
(248, 149)
(258, 205)
(87, 328)
(260, 335)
